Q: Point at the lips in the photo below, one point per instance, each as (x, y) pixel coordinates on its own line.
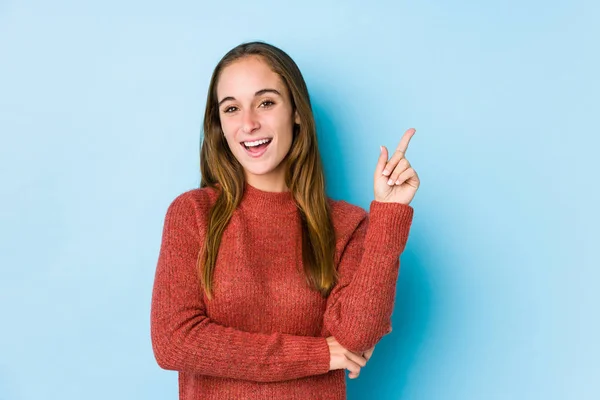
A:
(257, 151)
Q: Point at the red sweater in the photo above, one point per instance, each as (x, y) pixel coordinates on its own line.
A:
(263, 334)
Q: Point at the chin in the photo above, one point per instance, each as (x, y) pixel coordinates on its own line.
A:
(259, 171)
(267, 167)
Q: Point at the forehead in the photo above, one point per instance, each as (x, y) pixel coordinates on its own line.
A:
(246, 76)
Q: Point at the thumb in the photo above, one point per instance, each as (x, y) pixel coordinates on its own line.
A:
(383, 157)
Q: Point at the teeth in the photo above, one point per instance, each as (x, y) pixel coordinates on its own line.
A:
(256, 143)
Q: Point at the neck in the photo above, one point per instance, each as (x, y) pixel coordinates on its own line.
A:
(275, 187)
(271, 182)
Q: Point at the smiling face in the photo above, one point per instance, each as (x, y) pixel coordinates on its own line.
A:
(255, 104)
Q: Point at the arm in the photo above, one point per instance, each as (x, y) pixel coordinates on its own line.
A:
(185, 339)
(359, 308)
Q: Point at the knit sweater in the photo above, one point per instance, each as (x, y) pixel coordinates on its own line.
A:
(263, 335)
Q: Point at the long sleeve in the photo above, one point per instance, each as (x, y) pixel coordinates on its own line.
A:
(359, 308)
(185, 339)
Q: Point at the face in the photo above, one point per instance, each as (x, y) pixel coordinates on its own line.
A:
(255, 107)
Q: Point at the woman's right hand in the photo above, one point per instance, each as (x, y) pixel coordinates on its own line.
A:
(340, 358)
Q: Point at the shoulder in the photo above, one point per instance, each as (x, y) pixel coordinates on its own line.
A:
(193, 203)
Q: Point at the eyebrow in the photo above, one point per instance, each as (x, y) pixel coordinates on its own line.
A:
(259, 93)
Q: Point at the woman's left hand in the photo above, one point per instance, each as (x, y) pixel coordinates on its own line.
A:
(395, 181)
(367, 355)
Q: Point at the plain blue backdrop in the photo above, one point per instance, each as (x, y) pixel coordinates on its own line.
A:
(101, 107)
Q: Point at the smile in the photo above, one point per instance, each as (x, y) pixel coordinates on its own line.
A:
(257, 148)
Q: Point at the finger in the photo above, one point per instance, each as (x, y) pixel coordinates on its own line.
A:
(369, 353)
(353, 367)
(381, 161)
(353, 375)
(406, 175)
(403, 145)
(402, 166)
(399, 152)
(356, 358)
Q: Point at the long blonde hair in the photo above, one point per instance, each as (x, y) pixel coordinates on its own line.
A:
(304, 174)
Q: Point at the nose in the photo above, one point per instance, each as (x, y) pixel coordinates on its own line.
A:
(249, 121)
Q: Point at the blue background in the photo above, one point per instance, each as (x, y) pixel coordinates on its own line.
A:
(101, 106)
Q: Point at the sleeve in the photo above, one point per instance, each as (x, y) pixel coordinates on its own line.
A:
(185, 339)
(359, 308)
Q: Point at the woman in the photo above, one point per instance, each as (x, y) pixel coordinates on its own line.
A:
(265, 288)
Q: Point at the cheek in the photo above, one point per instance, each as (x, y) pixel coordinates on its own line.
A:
(228, 131)
(226, 127)
(287, 133)
(283, 125)
(229, 138)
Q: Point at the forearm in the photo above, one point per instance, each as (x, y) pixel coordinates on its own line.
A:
(201, 346)
(359, 312)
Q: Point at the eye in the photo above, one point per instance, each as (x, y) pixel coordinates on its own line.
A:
(229, 109)
(268, 103)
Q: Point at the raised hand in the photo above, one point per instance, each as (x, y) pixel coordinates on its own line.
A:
(395, 180)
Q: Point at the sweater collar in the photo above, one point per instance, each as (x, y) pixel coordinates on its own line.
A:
(255, 199)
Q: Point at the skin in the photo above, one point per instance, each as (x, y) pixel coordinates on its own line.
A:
(395, 180)
(246, 116)
(248, 112)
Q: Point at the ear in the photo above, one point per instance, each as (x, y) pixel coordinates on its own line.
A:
(296, 117)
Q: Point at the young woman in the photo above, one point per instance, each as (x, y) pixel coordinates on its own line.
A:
(265, 288)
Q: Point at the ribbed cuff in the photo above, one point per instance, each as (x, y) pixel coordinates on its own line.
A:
(316, 351)
(389, 226)
(322, 356)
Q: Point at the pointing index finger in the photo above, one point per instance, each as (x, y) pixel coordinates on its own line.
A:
(403, 145)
